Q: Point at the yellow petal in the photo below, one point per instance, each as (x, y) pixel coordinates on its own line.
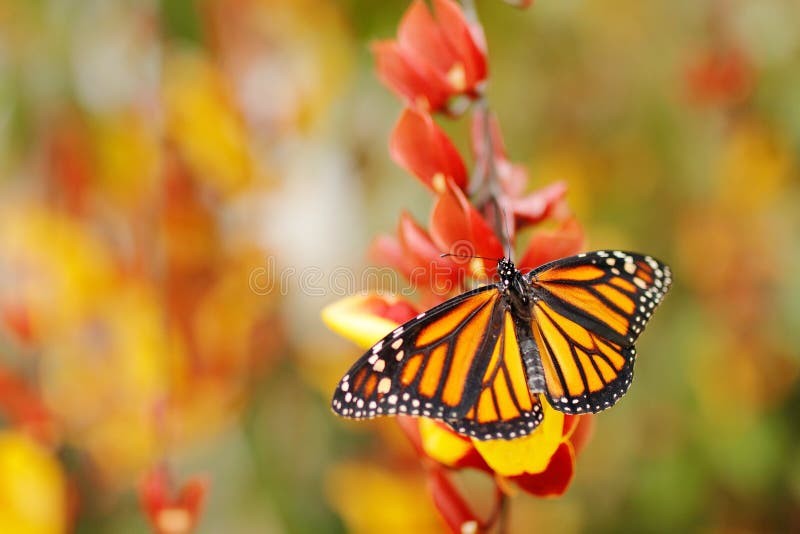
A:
(203, 123)
(353, 318)
(32, 489)
(441, 445)
(127, 153)
(530, 454)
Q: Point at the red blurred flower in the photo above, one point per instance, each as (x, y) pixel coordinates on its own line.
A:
(16, 318)
(720, 77)
(170, 512)
(24, 408)
(434, 58)
(422, 148)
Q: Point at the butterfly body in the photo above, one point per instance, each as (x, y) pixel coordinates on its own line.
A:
(480, 360)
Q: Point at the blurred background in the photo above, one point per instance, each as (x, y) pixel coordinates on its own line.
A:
(184, 185)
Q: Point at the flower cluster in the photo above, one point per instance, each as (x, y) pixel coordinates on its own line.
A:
(436, 64)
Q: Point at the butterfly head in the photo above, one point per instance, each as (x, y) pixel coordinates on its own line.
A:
(509, 274)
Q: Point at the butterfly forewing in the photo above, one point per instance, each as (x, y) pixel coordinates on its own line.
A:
(458, 362)
(588, 310)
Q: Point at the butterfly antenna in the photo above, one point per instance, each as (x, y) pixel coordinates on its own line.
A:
(508, 234)
(470, 256)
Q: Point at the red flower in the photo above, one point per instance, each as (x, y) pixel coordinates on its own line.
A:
(458, 228)
(419, 260)
(549, 245)
(170, 513)
(422, 148)
(434, 58)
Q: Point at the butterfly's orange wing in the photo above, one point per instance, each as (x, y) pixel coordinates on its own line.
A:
(458, 362)
(588, 310)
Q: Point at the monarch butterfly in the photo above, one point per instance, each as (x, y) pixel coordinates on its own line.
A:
(479, 360)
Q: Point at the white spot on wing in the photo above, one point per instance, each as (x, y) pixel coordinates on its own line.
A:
(385, 385)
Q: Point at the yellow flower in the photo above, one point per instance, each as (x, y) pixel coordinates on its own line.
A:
(32, 488)
(374, 499)
(203, 123)
(52, 268)
(530, 454)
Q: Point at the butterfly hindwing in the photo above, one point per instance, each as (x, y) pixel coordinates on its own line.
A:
(458, 362)
(588, 310)
(583, 371)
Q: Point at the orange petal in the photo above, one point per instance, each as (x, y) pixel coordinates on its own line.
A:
(422, 148)
(457, 227)
(536, 206)
(547, 246)
(416, 82)
(421, 37)
(467, 39)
